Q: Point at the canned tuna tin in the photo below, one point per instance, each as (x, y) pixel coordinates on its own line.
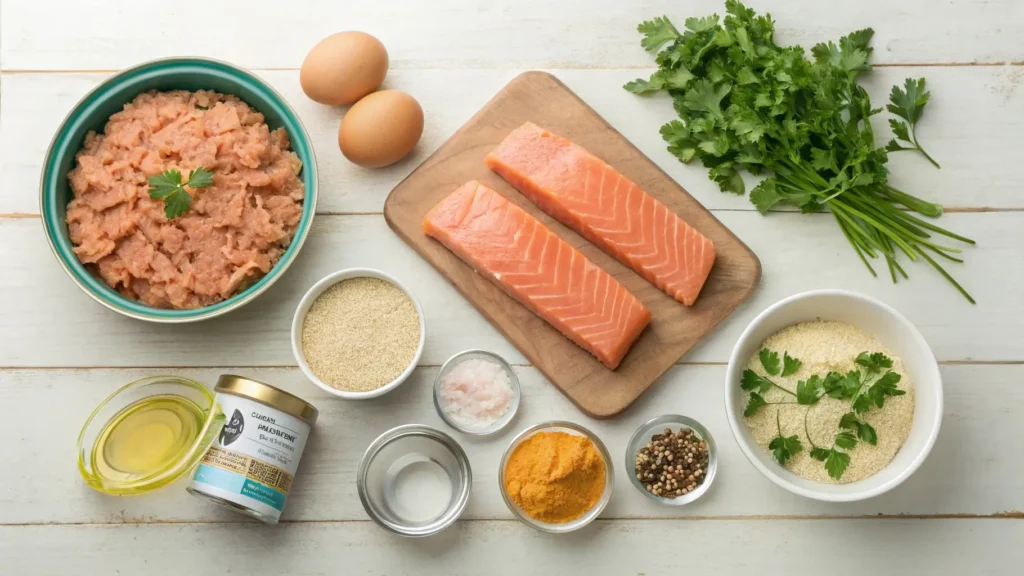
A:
(251, 465)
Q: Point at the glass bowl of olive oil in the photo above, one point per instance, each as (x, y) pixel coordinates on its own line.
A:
(147, 435)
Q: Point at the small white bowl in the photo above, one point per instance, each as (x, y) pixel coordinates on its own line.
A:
(300, 317)
(887, 326)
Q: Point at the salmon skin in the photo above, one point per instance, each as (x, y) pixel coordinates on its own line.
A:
(591, 197)
(532, 264)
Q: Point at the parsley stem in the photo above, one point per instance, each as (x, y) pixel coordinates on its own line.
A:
(913, 202)
(932, 227)
(781, 388)
(899, 241)
(806, 431)
(946, 275)
(854, 243)
(913, 136)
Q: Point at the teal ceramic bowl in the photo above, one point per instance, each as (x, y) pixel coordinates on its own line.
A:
(92, 113)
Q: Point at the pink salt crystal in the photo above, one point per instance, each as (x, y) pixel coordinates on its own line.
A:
(476, 393)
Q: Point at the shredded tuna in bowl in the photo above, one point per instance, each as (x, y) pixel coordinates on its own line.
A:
(238, 235)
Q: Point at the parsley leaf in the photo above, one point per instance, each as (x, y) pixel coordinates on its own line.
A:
(836, 463)
(784, 448)
(770, 361)
(755, 403)
(875, 362)
(752, 381)
(706, 97)
(168, 187)
(884, 387)
(789, 364)
(846, 440)
(765, 195)
(908, 104)
(864, 430)
(832, 385)
(661, 80)
(809, 391)
(843, 387)
(820, 453)
(656, 33)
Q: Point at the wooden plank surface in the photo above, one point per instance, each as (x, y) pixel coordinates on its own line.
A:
(47, 321)
(965, 503)
(966, 473)
(970, 126)
(950, 547)
(94, 34)
(674, 329)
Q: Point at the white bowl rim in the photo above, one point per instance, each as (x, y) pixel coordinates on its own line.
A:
(771, 474)
(319, 288)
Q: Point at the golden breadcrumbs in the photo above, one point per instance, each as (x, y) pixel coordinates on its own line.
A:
(825, 347)
(360, 334)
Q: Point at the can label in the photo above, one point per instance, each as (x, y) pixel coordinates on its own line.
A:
(255, 457)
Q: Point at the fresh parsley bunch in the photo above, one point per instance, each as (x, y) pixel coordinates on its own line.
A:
(745, 103)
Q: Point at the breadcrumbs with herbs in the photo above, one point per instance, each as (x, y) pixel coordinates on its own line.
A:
(360, 334)
(824, 347)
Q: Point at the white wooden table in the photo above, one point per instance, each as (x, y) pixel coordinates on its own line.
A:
(60, 353)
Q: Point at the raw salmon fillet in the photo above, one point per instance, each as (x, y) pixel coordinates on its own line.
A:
(591, 197)
(514, 250)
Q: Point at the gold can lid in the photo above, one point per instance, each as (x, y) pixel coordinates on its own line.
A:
(269, 395)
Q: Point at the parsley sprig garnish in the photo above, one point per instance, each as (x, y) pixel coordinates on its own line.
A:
(745, 103)
(908, 104)
(864, 389)
(169, 188)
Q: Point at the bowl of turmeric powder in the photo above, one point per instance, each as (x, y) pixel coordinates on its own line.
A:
(556, 476)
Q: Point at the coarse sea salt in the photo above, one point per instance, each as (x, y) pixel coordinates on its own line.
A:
(476, 393)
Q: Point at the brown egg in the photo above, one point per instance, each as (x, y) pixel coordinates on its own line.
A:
(343, 68)
(381, 129)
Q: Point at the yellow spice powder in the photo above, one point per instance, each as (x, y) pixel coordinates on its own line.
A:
(555, 477)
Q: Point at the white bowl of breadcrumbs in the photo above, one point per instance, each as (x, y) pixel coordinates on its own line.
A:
(358, 333)
(819, 327)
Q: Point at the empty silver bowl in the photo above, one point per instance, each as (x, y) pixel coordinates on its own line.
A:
(396, 451)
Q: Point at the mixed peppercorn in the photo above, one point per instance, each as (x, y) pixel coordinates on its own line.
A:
(672, 464)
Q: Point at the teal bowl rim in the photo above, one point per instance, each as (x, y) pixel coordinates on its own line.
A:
(81, 112)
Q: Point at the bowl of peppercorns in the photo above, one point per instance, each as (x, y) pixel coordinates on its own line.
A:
(672, 459)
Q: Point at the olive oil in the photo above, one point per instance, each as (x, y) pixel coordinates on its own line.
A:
(147, 438)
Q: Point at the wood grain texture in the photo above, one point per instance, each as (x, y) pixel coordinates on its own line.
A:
(780, 548)
(674, 329)
(54, 34)
(45, 320)
(967, 473)
(971, 127)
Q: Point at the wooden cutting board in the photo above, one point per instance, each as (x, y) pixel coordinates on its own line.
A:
(541, 98)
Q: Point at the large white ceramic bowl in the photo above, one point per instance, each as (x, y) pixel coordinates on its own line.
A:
(887, 326)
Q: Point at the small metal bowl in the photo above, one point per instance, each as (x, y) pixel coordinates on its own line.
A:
(590, 515)
(404, 445)
(657, 426)
(513, 406)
